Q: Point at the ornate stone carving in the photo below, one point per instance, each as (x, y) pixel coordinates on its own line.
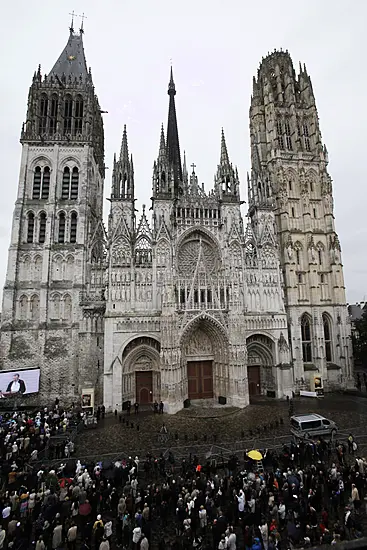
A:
(289, 247)
(121, 252)
(162, 254)
(199, 344)
(188, 257)
(311, 251)
(283, 349)
(143, 363)
(141, 341)
(259, 338)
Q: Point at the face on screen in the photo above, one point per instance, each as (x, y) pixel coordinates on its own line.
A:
(19, 382)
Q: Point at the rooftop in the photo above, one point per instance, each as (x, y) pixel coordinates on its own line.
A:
(72, 59)
(307, 417)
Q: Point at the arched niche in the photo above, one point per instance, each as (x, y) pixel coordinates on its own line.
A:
(260, 364)
(140, 362)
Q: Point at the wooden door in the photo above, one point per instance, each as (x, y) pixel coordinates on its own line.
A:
(253, 374)
(200, 379)
(144, 387)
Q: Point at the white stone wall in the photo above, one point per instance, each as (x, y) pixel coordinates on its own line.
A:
(42, 320)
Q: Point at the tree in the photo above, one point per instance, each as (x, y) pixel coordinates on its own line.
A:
(359, 339)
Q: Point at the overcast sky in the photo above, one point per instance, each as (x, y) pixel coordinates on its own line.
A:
(216, 47)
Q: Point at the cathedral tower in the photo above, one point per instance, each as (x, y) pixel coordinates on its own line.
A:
(290, 171)
(53, 293)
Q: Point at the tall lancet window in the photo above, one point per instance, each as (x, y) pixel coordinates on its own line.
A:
(43, 114)
(45, 183)
(74, 184)
(306, 334)
(62, 223)
(30, 227)
(68, 112)
(23, 308)
(280, 134)
(288, 135)
(37, 178)
(41, 183)
(65, 190)
(78, 124)
(124, 186)
(327, 337)
(53, 113)
(306, 134)
(42, 228)
(73, 226)
(35, 308)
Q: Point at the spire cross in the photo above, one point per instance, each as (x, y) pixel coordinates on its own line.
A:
(73, 14)
(82, 18)
(193, 166)
(72, 20)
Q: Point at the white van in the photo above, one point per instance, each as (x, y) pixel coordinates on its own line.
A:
(312, 425)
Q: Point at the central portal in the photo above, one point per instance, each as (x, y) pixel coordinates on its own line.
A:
(200, 379)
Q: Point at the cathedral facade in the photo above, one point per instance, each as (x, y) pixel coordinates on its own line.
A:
(189, 302)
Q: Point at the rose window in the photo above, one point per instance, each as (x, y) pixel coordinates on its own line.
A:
(190, 253)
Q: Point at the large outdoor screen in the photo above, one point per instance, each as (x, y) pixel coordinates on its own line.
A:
(16, 382)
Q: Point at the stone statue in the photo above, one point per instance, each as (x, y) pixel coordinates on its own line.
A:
(311, 253)
(335, 255)
(329, 203)
(283, 349)
(305, 195)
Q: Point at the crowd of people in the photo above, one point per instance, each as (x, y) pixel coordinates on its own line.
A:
(305, 494)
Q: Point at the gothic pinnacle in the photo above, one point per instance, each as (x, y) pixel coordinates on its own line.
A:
(255, 89)
(224, 159)
(124, 152)
(184, 167)
(162, 144)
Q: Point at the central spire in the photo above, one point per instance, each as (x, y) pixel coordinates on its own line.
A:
(173, 146)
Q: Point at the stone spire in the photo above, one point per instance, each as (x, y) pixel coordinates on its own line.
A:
(162, 145)
(224, 159)
(184, 169)
(173, 146)
(226, 179)
(123, 172)
(124, 151)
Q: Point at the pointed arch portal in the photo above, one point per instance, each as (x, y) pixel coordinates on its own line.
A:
(260, 354)
(204, 348)
(140, 370)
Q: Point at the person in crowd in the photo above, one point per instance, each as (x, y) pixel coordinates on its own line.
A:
(296, 499)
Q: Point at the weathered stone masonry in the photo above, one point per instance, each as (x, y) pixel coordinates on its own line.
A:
(189, 303)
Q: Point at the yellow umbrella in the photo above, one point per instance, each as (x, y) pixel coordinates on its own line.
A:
(255, 455)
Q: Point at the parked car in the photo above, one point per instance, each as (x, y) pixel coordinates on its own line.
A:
(312, 425)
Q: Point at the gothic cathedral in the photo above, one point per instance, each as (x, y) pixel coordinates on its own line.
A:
(188, 303)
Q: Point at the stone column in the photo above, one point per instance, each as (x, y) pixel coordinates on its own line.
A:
(171, 383)
(238, 394)
(284, 373)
